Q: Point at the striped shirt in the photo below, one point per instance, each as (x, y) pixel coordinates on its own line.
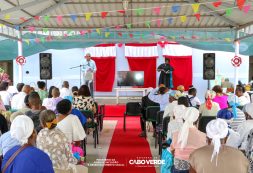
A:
(237, 121)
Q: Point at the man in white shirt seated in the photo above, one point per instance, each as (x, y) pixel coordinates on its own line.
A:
(65, 91)
(17, 101)
(160, 95)
(243, 98)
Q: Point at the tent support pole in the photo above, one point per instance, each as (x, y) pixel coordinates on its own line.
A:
(20, 53)
(237, 45)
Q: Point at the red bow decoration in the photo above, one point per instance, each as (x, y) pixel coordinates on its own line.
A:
(236, 61)
(162, 43)
(120, 44)
(20, 60)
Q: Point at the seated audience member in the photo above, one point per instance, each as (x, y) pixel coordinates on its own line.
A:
(180, 88)
(20, 87)
(2, 107)
(42, 90)
(220, 98)
(216, 157)
(5, 95)
(50, 95)
(35, 105)
(69, 124)
(173, 97)
(17, 101)
(3, 125)
(249, 150)
(80, 116)
(27, 107)
(243, 98)
(6, 141)
(30, 159)
(233, 137)
(53, 142)
(74, 90)
(245, 127)
(160, 95)
(239, 116)
(192, 95)
(145, 102)
(186, 140)
(84, 101)
(209, 108)
(65, 91)
(176, 121)
(228, 85)
(47, 101)
(52, 102)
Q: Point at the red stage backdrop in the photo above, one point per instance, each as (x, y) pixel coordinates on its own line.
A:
(104, 55)
(142, 57)
(181, 62)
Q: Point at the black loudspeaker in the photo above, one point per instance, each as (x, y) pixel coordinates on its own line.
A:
(209, 66)
(45, 66)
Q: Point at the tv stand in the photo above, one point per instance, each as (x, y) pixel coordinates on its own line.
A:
(143, 90)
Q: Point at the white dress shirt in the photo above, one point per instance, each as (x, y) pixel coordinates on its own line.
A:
(6, 97)
(65, 92)
(162, 99)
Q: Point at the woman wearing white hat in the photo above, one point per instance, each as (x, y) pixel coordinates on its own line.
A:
(25, 158)
(216, 157)
(186, 140)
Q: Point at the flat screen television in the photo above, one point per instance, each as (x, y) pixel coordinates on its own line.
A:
(130, 78)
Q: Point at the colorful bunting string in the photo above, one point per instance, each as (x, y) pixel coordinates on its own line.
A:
(195, 7)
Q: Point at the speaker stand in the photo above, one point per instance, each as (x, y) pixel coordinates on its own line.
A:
(208, 84)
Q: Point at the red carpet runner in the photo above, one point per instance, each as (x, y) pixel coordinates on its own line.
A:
(126, 146)
(115, 110)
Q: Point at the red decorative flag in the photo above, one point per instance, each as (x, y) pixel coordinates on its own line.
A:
(31, 28)
(82, 32)
(120, 34)
(197, 15)
(59, 19)
(37, 18)
(37, 40)
(23, 19)
(117, 27)
(131, 35)
(157, 10)
(120, 44)
(49, 38)
(240, 4)
(104, 14)
(246, 8)
(121, 11)
(158, 23)
(217, 3)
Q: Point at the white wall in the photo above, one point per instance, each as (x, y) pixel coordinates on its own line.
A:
(64, 59)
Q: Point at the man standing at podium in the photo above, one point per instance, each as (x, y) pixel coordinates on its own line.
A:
(88, 68)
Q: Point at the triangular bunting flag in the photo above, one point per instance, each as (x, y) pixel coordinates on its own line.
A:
(46, 18)
(197, 15)
(49, 38)
(98, 31)
(42, 39)
(27, 41)
(170, 20)
(37, 40)
(17, 27)
(23, 19)
(240, 4)
(73, 17)
(121, 11)
(117, 27)
(175, 8)
(44, 30)
(139, 11)
(120, 34)
(59, 19)
(7, 16)
(195, 7)
(87, 16)
(147, 24)
(157, 10)
(131, 35)
(246, 8)
(31, 28)
(183, 18)
(228, 11)
(129, 25)
(37, 18)
(82, 32)
(158, 23)
(217, 3)
(107, 34)
(227, 39)
(104, 14)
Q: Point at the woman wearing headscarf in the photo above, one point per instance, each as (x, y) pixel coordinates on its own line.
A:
(173, 97)
(246, 126)
(50, 137)
(26, 157)
(209, 108)
(216, 156)
(186, 140)
(233, 137)
(176, 121)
